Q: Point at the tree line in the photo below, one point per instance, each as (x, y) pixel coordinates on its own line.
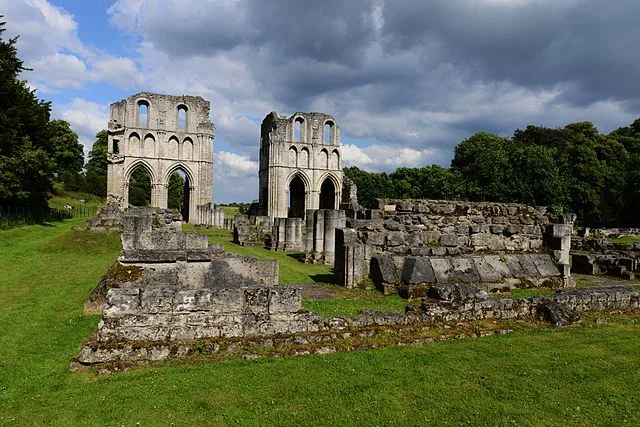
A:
(570, 169)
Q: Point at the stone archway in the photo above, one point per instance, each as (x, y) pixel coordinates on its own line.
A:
(297, 195)
(328, 194)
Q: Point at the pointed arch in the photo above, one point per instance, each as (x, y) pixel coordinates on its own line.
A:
(298, 185)
(293, 156)
(323, 159)
(172, 147)
(133, 146)
(303, 158)
(148, 148)
(187, 149)
(334, 162)
(329, 190)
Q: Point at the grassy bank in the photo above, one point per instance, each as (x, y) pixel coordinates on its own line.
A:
(585, 375)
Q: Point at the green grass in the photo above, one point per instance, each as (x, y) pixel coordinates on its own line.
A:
(626, 240)
(73, 198)
(230, 211)
(291, 270)
(585, 375)
(349, 302)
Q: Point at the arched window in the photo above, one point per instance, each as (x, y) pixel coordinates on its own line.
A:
(298, 130)
(178, 192)
(182, 116)
(140, 187)
(143, 113)
(328, 133)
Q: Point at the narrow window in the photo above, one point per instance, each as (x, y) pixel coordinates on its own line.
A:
(116, 146)
(182, 117)
(297, 130)
(143, 114)
(327, 133)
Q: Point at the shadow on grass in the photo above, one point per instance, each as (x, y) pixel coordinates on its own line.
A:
(330, 278)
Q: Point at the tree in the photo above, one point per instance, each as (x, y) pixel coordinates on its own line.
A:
(26, 170)
(175, 198)
(140, 188)
(483, 163)
(64, 148)
(96, 175)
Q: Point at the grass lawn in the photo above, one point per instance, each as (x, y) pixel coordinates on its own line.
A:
(585, 375)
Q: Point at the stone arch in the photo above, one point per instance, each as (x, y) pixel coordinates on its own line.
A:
(189, 196)
(328, 190)
(303, 158)
(323, 159)
(298, 185)
(148, 146)
(182, 116)
(143, 110)
(150, 170)
(328, 132)
(133, 146)
(187, 149)
(334, 162)
(299, 129)
(172, 147)
(293, 156)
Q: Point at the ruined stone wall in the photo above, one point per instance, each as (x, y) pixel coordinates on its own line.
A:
(446, 228)
(154, 323)
(451, 228)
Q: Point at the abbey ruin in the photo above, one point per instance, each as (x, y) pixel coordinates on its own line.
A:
(171, 293)
(161, 134)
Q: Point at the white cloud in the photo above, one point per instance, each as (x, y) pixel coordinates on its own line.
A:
(379, 157)
(235, 178)
(85, 117)
(49, 44)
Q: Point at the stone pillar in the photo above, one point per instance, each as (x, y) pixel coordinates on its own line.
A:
(318, 234)
(298, 234)
(351, 258)
(289, 233)
(309, 229)
(330, 224)
(558, 239)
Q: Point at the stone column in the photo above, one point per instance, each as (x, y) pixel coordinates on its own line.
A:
(330, 223)
(558, 238)
(318, 234)
(309, 228)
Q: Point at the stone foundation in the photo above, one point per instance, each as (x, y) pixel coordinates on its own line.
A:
(155, 324)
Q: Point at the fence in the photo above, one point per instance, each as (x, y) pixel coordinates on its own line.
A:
(11, 216)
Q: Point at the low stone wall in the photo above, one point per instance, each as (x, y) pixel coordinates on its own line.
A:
(143, 324)
(412, 276)
(625, 265)
(251, 230)
(107, 220)
(439, 228)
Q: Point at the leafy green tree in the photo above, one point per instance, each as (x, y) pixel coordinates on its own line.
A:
(64, 148)
(483, 163)
(96, 175)
(26, 169)
(176, 192)
(140, 188)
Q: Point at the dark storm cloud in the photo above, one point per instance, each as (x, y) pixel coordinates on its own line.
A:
(409, 62)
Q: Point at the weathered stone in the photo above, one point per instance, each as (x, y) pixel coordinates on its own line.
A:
(465, 270)
(443, 269)
(557, 314)
(449, 240)
(383, 270)
(418, 270)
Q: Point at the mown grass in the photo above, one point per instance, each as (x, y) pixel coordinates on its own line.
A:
(291, 270)
(72, 198)
(585, 375)
(626, 239)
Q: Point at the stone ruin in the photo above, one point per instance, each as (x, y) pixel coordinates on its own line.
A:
(163, 134)
(406, 246)
(594, 252)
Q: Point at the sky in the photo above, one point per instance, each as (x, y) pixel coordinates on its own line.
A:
(406, 80)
